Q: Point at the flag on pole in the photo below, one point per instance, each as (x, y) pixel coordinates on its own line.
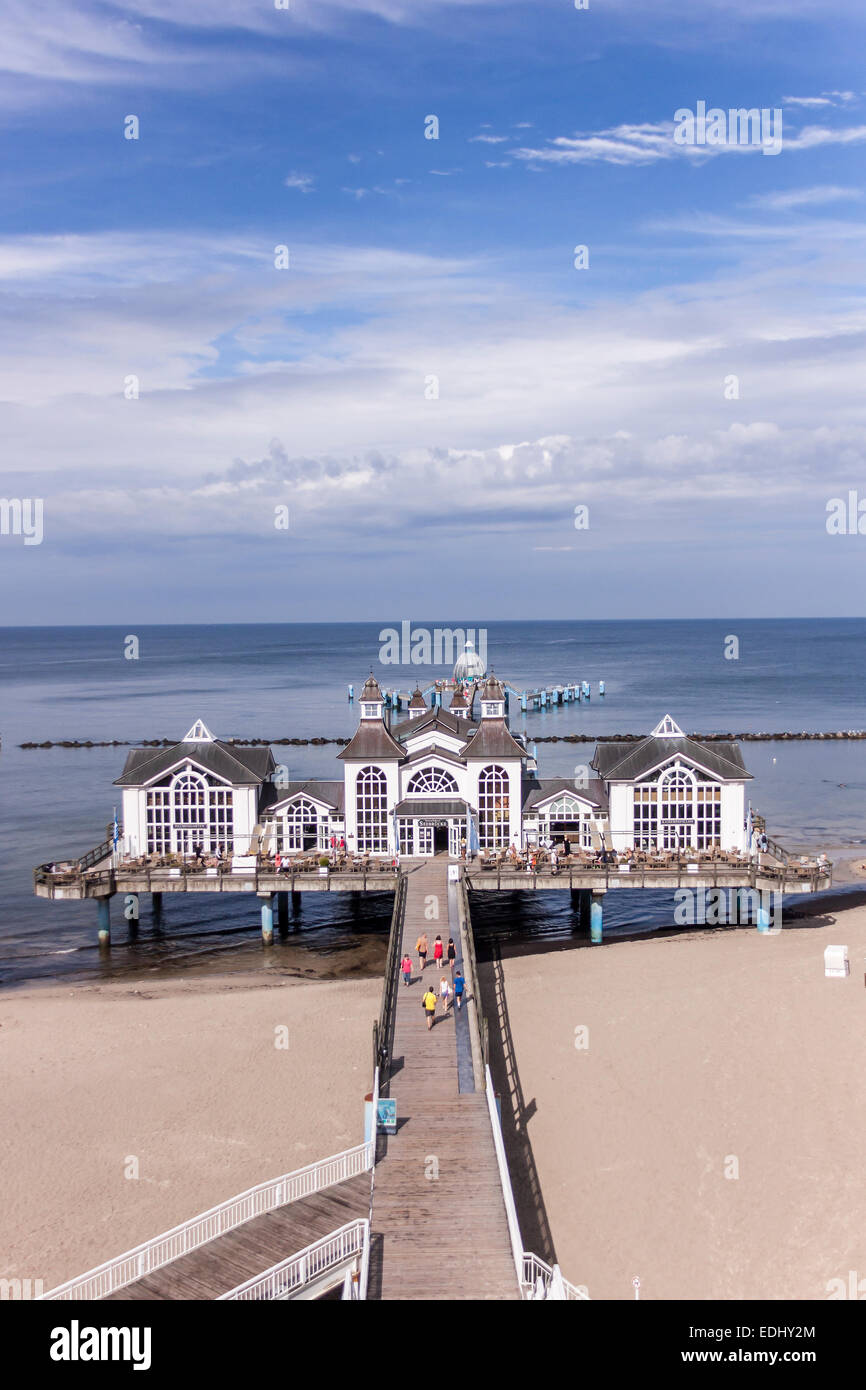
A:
(115, 828)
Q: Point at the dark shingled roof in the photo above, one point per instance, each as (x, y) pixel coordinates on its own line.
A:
(493, 739)
(492, 689)
(538, 789)
(332, 793)
(433, 750)
(626, 762)
(417, 701)
(459, 700)
(236, 762)
(371, 689)
(441, 719)
(373, 741)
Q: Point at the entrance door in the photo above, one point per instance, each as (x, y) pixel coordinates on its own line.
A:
(424, 839)
(456, 830)
(440, 839)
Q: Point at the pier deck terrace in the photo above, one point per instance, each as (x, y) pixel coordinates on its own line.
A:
(439, 1226)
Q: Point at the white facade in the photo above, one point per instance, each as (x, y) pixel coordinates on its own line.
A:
(437, 782)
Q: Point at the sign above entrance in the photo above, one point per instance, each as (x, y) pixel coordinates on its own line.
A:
(434, 824)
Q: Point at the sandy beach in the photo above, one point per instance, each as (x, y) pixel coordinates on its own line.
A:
(182, 1077)
(710, 1138)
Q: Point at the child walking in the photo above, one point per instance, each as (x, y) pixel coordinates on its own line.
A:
(406, 967)
(444, 994)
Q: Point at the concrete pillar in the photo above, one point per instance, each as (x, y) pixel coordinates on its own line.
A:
(283, 911)
(156, 906)
(743, 905)
(268, 919)
(596, 918)
(296, 904)
(103, 918)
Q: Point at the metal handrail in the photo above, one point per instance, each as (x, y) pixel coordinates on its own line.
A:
(190, 1235)
(541, 1281)
(389, 983)
(288, 1278)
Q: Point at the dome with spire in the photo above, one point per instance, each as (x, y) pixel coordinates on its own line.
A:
(469, 666)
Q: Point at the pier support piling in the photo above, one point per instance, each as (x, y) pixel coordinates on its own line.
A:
(103, 918)
(156, 906)
(268, 919)
(763, 915)
(596, 918)
(283, 911)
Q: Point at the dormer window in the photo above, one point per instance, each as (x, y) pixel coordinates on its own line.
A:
(492, 709)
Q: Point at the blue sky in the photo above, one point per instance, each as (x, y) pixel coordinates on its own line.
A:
(411, 259)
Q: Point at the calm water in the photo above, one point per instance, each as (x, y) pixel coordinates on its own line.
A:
(290, 681)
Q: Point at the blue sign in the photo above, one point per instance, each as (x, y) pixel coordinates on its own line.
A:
(386, 1117)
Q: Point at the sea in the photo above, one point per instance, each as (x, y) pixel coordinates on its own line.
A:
(291, 681)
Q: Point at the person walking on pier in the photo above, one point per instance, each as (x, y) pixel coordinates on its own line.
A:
(459, 988)
(406, 967)
(438, 951)
(422, 947)
(452, 955)
(429, 1004)
(445, 994)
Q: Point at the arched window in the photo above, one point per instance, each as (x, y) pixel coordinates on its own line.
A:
(677, 807)
(371, 804)
(192, 810)
(303, 826)
(565, 808)
(493, 807)
(431, 781)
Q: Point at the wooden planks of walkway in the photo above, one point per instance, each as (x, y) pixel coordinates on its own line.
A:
(439, 1227)
(231, 1259)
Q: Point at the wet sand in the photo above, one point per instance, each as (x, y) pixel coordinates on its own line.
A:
(710, 1138)
(180, 1077)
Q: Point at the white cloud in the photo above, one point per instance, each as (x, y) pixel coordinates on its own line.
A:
(302, 182)
(806, 197)
(489, 139)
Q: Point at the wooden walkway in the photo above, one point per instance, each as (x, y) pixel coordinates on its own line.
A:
(231, 1259)
(446, 1236)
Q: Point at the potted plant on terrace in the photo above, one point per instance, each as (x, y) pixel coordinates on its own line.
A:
(323, 864)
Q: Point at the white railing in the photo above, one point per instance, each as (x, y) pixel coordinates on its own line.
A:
(162, 1250)
(540, 1281)
(326, 1256)
(536, 1279)
(504, 1177)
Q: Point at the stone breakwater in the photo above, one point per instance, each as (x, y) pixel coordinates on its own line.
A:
(533, 738)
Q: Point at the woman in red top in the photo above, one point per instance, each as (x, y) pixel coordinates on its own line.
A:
(437, 951)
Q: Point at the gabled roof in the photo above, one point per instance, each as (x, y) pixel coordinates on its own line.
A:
(435, 719)
(433, 750)
(626, 762)
(372, 740)
(236, 763)
(537, 790)
(493, 739)
(276, 795)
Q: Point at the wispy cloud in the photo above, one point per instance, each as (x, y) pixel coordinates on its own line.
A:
(302, 182)
(489, 139)
(805, 197)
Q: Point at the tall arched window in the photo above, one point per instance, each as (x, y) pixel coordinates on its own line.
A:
(493, 807)
(200, 813)
(371, 804)
(431, 781)
(677, 807)
(303, 827)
